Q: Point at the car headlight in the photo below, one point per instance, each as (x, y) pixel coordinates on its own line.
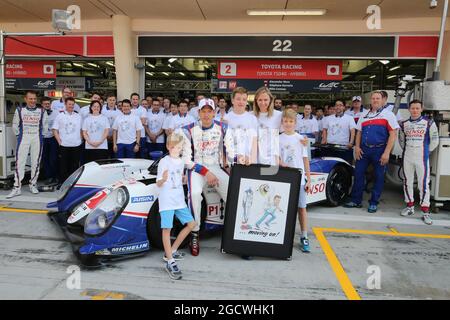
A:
(70, 181)
(103, 216)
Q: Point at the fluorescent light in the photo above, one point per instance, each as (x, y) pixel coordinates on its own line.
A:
(372, 77)
(78, 65)
(172, 60)
(150, 73)
(181, 73)
(395, 68)
(384, 61)
(170, 66)
(390, 77)
(165, 73)
(286, 12)
(109, 63)
(92, 64)
(150, 65)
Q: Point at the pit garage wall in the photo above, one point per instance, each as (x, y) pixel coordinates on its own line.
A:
(133, 49)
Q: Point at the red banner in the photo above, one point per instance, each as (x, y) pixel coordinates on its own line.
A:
(30, 69)
(280, 69)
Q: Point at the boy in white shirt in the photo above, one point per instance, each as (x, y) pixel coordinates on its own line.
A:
(127, 132)
(171, 203)
(294, 154)
(242, 129)
(154, 130)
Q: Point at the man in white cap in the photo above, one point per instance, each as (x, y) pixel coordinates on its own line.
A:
(204, 144)
(356, 111)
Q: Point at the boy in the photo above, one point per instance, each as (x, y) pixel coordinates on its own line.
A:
(171, 203)
(242, 129)
(295, 155)
(418, 138)
(127, 132)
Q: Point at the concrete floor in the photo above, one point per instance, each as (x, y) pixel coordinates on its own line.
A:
(34, 261)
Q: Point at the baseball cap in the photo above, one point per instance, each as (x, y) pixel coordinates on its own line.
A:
(206, 102)
(356, 98)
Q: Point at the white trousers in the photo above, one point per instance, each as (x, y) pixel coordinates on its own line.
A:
(27, 144)
(196, 183)
(414, 161)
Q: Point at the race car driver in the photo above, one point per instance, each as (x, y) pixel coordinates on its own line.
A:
(206, 140)
(418, 137)
(29, 125)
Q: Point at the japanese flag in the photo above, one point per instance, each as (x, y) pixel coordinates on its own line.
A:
(333, 70)
(48, 69)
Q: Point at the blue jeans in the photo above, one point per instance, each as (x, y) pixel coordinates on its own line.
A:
(267, 212)
(125, 150)
(143, 150)
(50, 157)
(370, 156)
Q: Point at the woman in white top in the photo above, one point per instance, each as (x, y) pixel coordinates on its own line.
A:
(269, 123)
(95, 133)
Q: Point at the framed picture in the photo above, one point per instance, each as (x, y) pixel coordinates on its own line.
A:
(261, 212)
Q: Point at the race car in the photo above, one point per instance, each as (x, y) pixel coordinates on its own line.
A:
(108, 209)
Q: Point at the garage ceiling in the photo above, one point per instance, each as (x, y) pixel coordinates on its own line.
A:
(37, 11)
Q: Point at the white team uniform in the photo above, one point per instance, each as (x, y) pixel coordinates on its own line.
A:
(111, 114)
(58, 106)
(308, 126)
(338, 129)
(418, 139)
(179, 121)
(155, 123)
(29, 125)
(241, 133)
(208, 147)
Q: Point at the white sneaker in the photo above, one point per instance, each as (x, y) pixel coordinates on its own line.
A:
(407, 211)
(427, 219)
(14, 193)
(34, 189)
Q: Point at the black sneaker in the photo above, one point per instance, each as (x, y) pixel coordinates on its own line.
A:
(173, 271)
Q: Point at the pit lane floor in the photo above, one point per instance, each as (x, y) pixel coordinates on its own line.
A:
(355, 255)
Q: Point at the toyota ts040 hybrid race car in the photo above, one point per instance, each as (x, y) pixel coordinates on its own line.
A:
(108, 209)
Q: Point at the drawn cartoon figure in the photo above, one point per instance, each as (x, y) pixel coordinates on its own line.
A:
(69, 128)
(271, 211)
(247, 203)
(94, 127)
(124, 126)
(288, 154)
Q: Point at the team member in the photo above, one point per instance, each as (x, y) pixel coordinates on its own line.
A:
(154, 130)
(222, 110)
(145, 105)
(149, 99)
(356, 111)
(319, 117)
(141, 113)
(168, 118)
(183, 118)
(171, 203)
(375, 138)
(165, 106)
(86, 110)
(194, 110)
(67, 131)
(418, 137)
(59, 105)
(127, 132)
(278, 104)
(204, 144)
(242, 128)
(95, 133)
(269, 123)
(295, 155)
(29, 125)
(307, 125)
(111, 112)
(339, 129)
(50, 147)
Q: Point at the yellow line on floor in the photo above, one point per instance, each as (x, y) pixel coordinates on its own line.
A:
(384, 233)
(8, 209)
(393, 230)
(338, 270)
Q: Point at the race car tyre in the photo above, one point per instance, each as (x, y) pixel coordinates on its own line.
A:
(154, 232)
(338, 185)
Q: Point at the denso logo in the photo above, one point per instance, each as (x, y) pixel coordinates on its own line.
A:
(317, 188)
(130, 248)
(142, 199)
(329, 85)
